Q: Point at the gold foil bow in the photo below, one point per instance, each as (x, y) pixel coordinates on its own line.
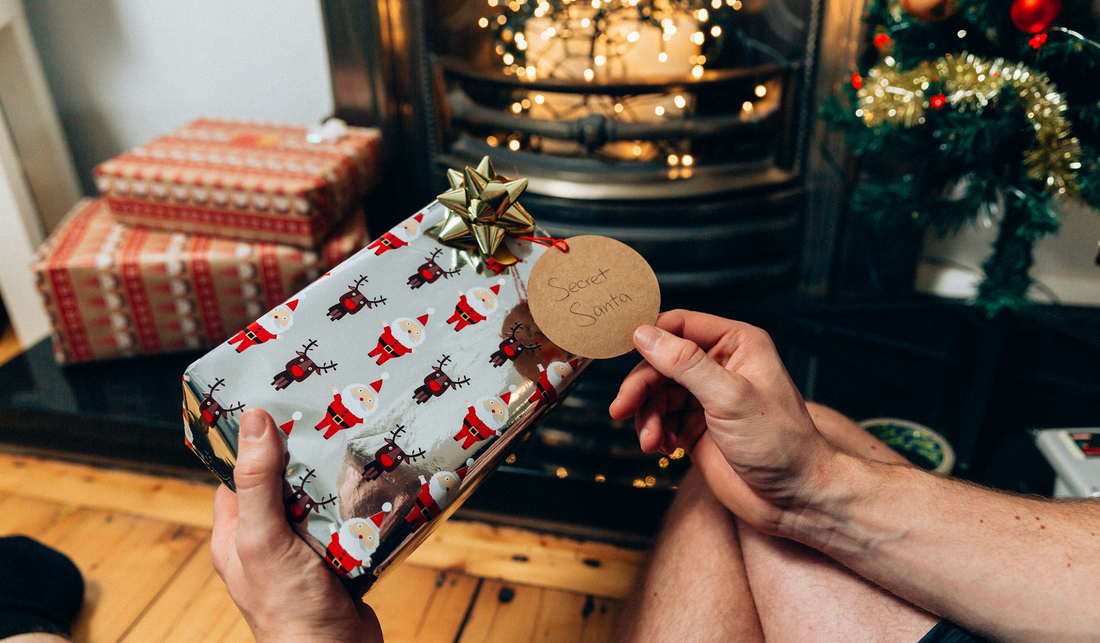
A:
(483, 207)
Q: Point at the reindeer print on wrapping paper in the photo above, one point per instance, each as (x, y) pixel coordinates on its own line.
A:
(211, 410)
(430, 272)
(300, 368)
(511, 348)
(353, 301)
(390, 456)
(437, 383)
(299, 504)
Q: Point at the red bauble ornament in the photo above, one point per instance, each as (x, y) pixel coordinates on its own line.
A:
(930, 10)
(1033, 16)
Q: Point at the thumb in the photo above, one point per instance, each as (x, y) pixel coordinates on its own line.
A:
(258, 476)
(683, 361)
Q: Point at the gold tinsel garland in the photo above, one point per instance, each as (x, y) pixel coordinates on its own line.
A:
(968, 82)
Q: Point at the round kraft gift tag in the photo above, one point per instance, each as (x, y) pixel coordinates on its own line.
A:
(590, 299)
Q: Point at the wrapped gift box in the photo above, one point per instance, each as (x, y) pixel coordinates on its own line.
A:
(401, 379)
(113, 290)
(247, 181)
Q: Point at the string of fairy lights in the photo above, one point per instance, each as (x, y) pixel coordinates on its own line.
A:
(591, 39)
(604, 41)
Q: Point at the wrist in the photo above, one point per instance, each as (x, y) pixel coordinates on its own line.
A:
(836, 488)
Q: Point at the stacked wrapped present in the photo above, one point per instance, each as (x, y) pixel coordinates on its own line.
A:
(199, 232)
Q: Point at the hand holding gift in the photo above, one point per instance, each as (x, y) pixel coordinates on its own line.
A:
(285, 591)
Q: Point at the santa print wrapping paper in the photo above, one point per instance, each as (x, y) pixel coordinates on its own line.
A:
(112, 290)
(247, 181)
(400, 379)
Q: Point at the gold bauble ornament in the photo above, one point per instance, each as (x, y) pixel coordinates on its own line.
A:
(930, 10)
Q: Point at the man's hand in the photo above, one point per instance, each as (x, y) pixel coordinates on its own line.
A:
(718, 389)
(280, 584)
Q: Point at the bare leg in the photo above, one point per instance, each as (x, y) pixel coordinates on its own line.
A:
(694, 587)
(802, 595)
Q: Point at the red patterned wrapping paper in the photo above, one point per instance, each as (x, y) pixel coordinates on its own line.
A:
(247, 181)
(402, 378)
(113, 290)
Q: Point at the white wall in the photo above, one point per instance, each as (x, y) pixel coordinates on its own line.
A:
(1065, 270)
(125, 71)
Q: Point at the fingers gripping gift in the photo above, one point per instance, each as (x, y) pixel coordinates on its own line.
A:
(400, 378)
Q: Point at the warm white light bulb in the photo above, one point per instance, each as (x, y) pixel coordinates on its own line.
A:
(660, 111)
(633, 37)
(484, 22)
(702, 15)
(663, 57)
(673, 159)
(747, 106)
(716, 31)
(508, 59)
(517, 108)
(540, 99)
(531, 72)
(680, 102)
(492, 140)
(697, 71)
(697, 37)
(513, 145)
(618, 108)
(599, 60)
(687, 160)
(589, 74)
(760, 91)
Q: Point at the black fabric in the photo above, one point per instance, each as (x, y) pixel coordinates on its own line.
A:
(41, 589)
(945, 632)
(16, 623)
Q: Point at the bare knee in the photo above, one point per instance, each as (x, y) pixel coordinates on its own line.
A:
(693, 496)
(848, 435)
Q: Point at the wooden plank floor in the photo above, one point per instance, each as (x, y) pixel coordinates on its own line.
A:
(142, 543)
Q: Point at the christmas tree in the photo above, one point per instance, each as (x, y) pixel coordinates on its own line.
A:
(976, 106)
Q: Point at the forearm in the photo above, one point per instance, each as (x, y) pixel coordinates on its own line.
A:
(1012, 567)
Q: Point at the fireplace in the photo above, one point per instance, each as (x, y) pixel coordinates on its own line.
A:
(681, 127)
